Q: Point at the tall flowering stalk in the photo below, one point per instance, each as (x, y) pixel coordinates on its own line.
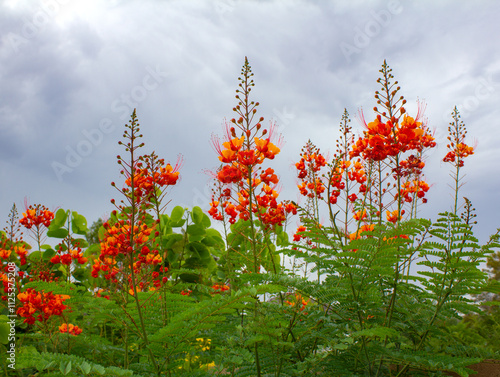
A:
(247, 191)
(37, 219)
(129, 258)
(387, 143)
(457, 151)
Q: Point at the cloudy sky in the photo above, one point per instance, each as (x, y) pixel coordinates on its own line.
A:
(71, 73)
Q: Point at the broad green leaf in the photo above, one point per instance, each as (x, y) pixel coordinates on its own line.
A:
(85, 367)
(65, 367)
(282, 239)
(197, 215)
(42, 364)
(78, 224)
(57, 233)
(190, 277)
(196, 232)
(49, 253)
(81, 274)
(59, 219)
(200, 250)
(99, 369)
(35, 256)
(177, 214)
(169, 240)
(206, 222)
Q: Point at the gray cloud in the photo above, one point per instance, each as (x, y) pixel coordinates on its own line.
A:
(83, 72)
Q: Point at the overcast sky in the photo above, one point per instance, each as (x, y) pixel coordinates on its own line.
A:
(71, 73)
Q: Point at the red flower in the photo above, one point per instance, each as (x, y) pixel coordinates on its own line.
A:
(35, 216)
(40, 306)
(218, 288)
(229, 174)
(70, 328)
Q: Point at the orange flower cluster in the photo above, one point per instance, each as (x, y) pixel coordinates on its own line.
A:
(7, 285)
(117, 238)
(242, 156)
(315, 161)
(394, 216)
(241, 152)
(5, 254)
(362, 229)
(219, 288)
(382, 140)
(229, 174)
(297, 236)
(40, 306)
(146, 180)
(457, 155)
(146, 258)
(35, 216)
(67, 258)
(100, 292)
(413, 165)
(415, 187)
(312, 182)
(310, 164)
(41, 272)
(265, 205)
(360, 215)
(70, 329)
(298, 302)
(22, 253)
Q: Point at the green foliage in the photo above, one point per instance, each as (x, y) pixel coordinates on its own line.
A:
(92, 235)
(162, 294)
(67, 365)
